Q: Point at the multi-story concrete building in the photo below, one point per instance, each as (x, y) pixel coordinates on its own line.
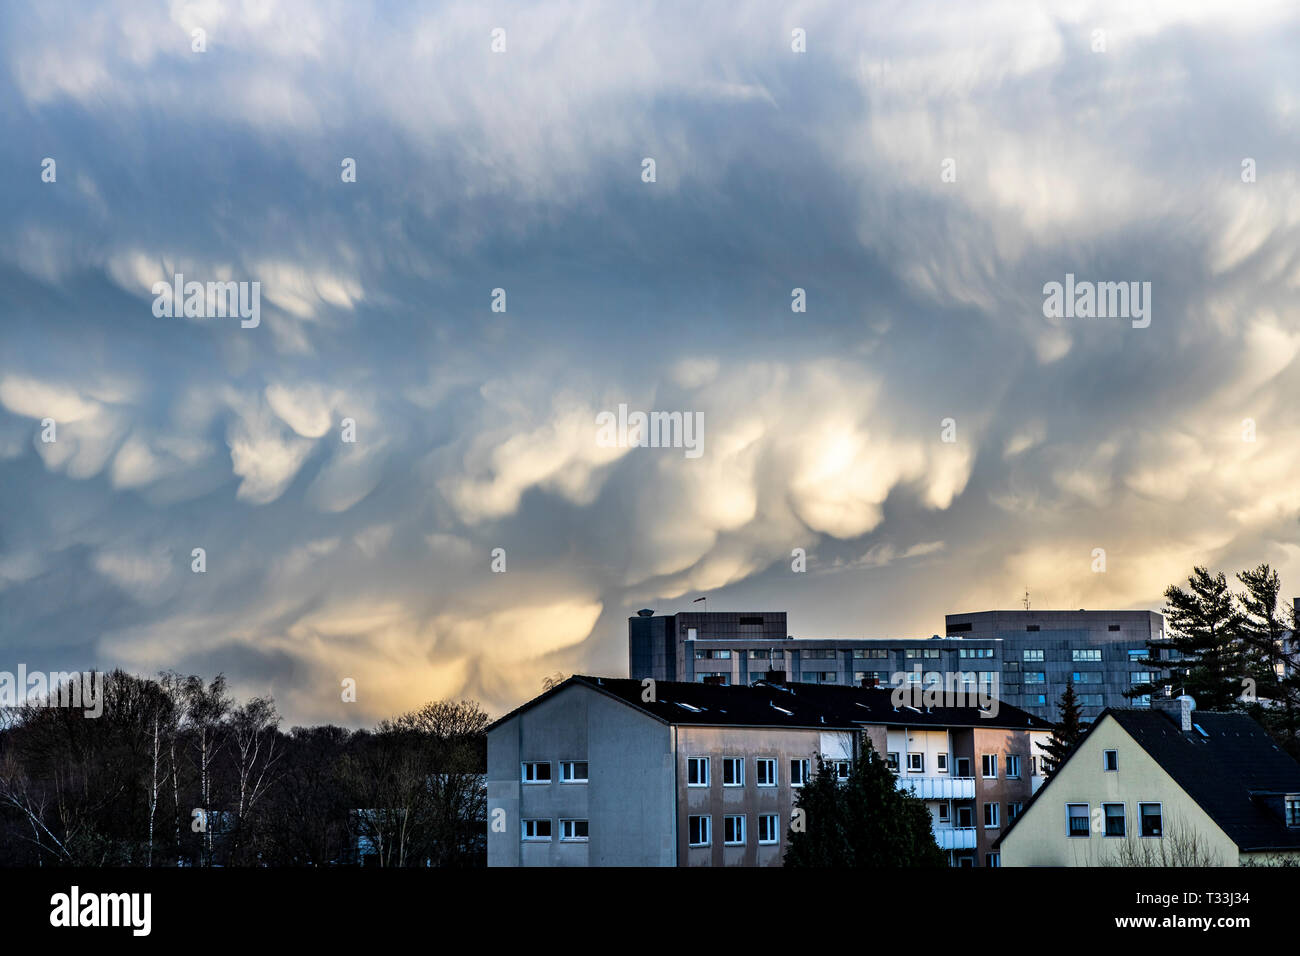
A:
(619, 772)
(1026, 655)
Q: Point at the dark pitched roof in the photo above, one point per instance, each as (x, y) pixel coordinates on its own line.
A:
(790, 705)
(1233, 771)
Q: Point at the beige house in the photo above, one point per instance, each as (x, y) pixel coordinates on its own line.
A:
(1155, 788)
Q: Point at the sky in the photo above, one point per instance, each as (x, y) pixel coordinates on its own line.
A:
(924, 431)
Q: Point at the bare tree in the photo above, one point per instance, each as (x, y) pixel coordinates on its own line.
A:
(254, 736)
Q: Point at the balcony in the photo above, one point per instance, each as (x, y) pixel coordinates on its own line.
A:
(939, 788)
(955, 838)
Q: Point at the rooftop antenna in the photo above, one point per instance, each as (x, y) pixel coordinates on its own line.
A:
(1026, 599)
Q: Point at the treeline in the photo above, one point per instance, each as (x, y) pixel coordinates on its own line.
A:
(1232, 649)
(174, 772)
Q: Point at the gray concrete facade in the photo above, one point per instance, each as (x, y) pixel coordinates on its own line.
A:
(1032, 653)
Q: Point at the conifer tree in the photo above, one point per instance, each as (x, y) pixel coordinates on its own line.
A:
(1066, 732)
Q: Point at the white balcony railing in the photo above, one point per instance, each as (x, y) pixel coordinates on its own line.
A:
(955, 838)
(939, 788)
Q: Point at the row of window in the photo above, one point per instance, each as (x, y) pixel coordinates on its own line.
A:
(539, 831)
(539, 771)
(992, 815)
(1112, 819)
(765, 771)
(911, 654)
(700, 830)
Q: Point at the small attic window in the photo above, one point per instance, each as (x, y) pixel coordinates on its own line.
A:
(789, 713)
(1200, 730)
(691, 707)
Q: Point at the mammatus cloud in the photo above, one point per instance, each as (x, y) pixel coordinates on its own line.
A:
(923, 433)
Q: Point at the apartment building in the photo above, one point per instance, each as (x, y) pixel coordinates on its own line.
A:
(620, 772)
(1155, 788)
(1026, 656)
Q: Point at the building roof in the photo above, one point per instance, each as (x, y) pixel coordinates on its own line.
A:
(1227, 764)
(793, 705)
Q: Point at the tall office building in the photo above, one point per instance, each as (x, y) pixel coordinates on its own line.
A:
(1027, 655)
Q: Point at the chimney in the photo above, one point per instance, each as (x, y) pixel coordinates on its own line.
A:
(1179, 708)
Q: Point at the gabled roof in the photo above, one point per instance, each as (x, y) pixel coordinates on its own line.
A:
(1227, 764)
(822, 706)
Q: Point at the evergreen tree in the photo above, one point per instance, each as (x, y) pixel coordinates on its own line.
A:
(865, 822)
(1066, 732)
(1206, 658)
(1271, 661)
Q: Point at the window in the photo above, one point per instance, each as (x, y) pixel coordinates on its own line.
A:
(1086, 654)
(1136, 654)
(1114, 813)
(714, 655)
(767, 831)
(765, 771)
(1292, 803)
(573, 771)
(941, 763)
(697, 771)
(1033, 766)
(993, 860)
(733, 830)
(733, 771)
(691, 633)
(1035, 677)
(988, 677)
(1151, 819)
(963, 766)
(1077, 814)
(698, 831)
(966, 860)
(943, 812)
(916, 763)
(965, 820)
(891, 761)
(961, 628)
(1013, 766)
(990, 815)
(537, 830)
(537, 772)
(757, 655)
(921, 653)
(1113, 627)
(841, 769)
(1033, 654)
(1110, 760)
(818, 677)
(975, 652)
(990, 764)
(1087, 677)
(1036, 699)
(1141, 677)
(1014, 810)
(573, 831)
(798, 773)
(1090, 700)
(1032, 627)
